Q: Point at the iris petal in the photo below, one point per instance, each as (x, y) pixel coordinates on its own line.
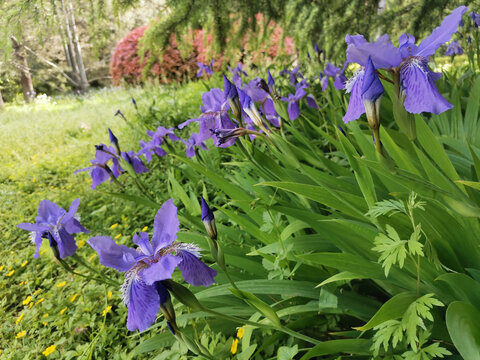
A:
(443, 33)
(194, 271)
(142, 301)
(165, 226)
(119, 257)
(160, 270)
(355, 105)
(419, 86)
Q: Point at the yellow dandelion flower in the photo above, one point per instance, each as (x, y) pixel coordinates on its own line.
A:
(40, 300)
(63, 311)
(118, 236)
(109, 295)
(27, 300)
(1, 352)
(1, 267)
(240, 332)
(114, 226)
(11, 273)
(30, 305)
(19, 318)
(81, 243)
(21, 334)
(62, 284)
(44, 323)
(145, 228)
(24, 263)
(36, 292)
(106, 311)
(45, 315)
(234, 347)
(73, 298)
(91, 257)
(49, 350)
(20, 283)
(25, 282)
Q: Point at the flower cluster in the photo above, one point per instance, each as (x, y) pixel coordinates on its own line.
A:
(107, 163)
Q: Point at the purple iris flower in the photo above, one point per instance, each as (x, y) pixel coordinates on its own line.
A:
(417, 80)
(294, 74)
(192, 143)
(100, 171)
(454, 49)
(57, 225)
(155, 145)
(475, 18)
(206, 70)
(237, 73)
(315, 47)
(152, 262)
(214, 115)
(336, 74)
(132, 158)
(293, 99)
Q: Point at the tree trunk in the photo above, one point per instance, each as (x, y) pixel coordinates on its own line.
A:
(2, 104)
(68, 43)
(77, 50)
(25, 77)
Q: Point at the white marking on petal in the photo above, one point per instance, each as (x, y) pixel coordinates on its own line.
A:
(191, 248)
(33, 235)
(350, 82)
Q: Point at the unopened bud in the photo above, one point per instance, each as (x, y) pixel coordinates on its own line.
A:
(114, 141)
(208, 220)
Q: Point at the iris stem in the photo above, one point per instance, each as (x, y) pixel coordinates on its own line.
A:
(91, 269)
(378, 144)
(70, 270)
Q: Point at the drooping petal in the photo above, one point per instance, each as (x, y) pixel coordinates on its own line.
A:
(165, 226)
(99, 175)
(339, 82)
(65, 242)
(383, 53)
(311, 102)
(119, 257)
(355, 105)
(38, 242)
(160, 270)
(293, 110)
(142, 301)
(194, 271)
(421, 93)
(443, 33)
